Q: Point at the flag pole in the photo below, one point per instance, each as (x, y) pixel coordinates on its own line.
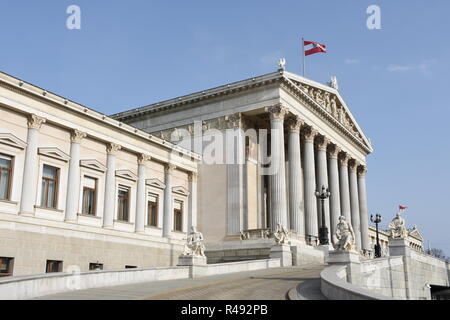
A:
(303, 56)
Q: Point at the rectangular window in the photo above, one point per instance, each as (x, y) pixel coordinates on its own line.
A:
(123, 203)
(130, 267)
(96, 266)
(89, 196)
(6, 266)
(49, 195)
(152, 210)
(178, 216)
(5, 176)
(53, 266)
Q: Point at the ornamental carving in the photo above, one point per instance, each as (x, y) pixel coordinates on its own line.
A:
(169, 168)
(193, 176)
(343, 158)
(353, 164)
(143, 158)
(333, 151)
(35, 122)
(277, 112)
(76, 136)
(294, 124)
(233, 121)
(322, 143)
(362, 170)
(309, 133)
(112, 148)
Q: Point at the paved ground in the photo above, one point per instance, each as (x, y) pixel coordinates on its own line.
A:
(269, 284)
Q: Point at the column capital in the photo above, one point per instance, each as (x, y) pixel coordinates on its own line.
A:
(193, 176)
(322, 143)
(35, 122)
(362, 170)
(333, 151)
(277, 112)
(234, 120)
(294, 124)
(112, 148)
(143, 158)
(343, 158)
(353, 164)
(76, 136)
(309, 133)
(169, 168)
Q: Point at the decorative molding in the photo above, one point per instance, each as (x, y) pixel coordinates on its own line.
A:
(76, 136)
(322, 143)
(353, 165)
(234, 121)
(54, 153)
(344, 157)
(35, 122)
(362, 170)
(181, 190)
(309, 133)
(155, 183)
(112, 148)
(193, 176)
(11, 140)
(93, 164)
(126, 174)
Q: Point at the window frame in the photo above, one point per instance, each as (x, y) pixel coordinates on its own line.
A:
(44, 188)
(50, 262)
(9, 267)
(94, 195)
(10, 178)
(150, 212)
(179, 212)
(119, 205)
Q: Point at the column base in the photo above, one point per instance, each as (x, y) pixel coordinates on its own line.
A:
(191, 261)
(282, 252)
(343, 257)
(399, 247)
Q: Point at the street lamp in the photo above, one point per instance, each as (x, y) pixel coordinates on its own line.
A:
(323, 230)
(377, 220)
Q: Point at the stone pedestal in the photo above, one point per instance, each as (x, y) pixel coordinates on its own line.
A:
(282, 252)
(191, 261)
(399, 247)
(351, 260)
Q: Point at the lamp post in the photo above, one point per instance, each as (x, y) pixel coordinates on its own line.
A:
(377, 220)
(323, 230)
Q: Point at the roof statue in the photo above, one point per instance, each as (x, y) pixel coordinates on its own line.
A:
(282, 64)
(334, 83)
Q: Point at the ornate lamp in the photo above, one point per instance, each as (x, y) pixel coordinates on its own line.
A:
(323, 230)
(377, 220)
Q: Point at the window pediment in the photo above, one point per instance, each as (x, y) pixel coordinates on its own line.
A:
(93, 164)
(54, 153)
(155, 183)
(181, 190)
(126, 174)
(11, 140)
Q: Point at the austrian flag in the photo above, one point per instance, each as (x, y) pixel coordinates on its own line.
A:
(316, 47)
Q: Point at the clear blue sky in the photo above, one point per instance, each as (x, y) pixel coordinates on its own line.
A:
(132, 53)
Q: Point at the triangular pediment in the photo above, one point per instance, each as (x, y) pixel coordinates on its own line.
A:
(332, 103)
(415, 233)
(126, 174)
(155, 183)
(11, 140)
(93, 164)
(180, 190)
(54, 153)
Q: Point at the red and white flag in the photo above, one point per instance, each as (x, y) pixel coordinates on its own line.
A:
(316, 47)
(402, 208)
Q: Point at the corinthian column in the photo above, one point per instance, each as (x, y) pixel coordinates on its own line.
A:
(192, 217)
(344, 187)
(278, 175)
(73, 182)
(354, 201)
(333, 175)
(363, 212)
(296, 209)
(310, 185)
(30, 171)
(141, 194)
(168, 202)
(110, 185)
(322, 178)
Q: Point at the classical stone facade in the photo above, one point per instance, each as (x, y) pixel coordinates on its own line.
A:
(78, 188)
(313, 140)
